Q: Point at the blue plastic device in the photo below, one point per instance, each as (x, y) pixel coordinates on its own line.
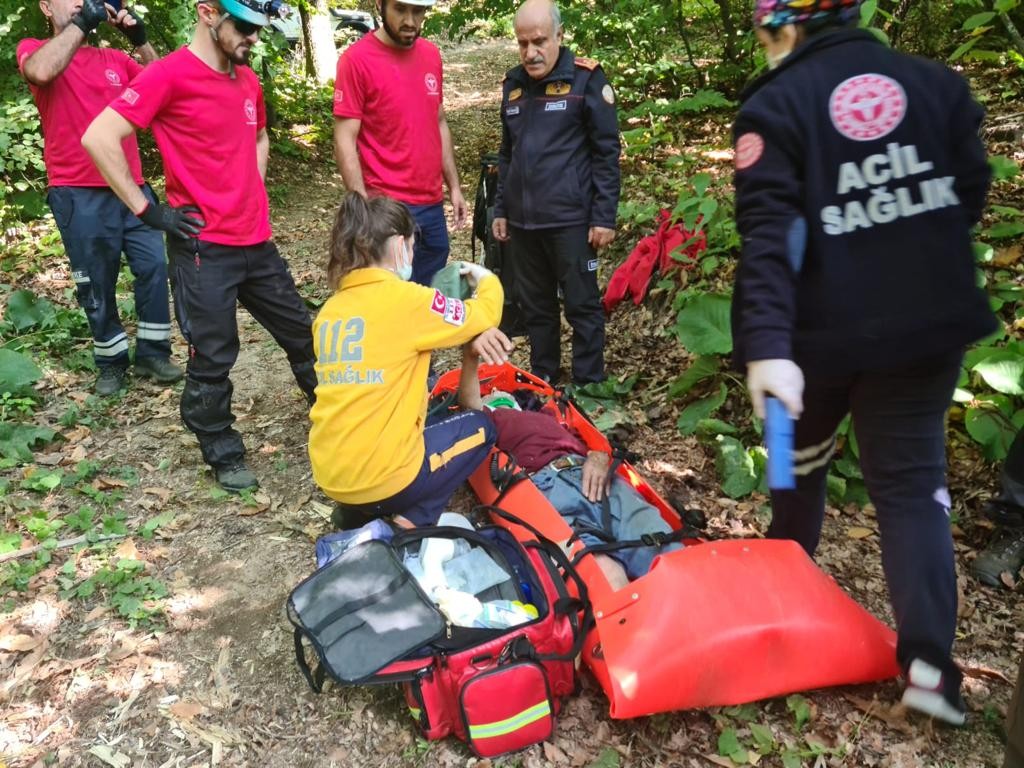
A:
(778, 439)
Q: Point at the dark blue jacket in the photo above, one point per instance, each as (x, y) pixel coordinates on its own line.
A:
(559, 159)
(859, 175)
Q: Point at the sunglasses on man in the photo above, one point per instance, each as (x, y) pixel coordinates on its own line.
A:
(245, 28)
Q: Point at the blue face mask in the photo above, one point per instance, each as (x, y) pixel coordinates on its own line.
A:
(404, 272)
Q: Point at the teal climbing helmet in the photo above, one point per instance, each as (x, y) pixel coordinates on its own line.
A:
(256, 12)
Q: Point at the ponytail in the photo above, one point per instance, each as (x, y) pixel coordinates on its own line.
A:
(362, 227)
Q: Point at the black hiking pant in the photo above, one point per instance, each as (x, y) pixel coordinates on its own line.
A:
(546, 260)
(899, 421)
(208, 280)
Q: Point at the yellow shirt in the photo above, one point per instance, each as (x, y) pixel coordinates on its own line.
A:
(373, 340)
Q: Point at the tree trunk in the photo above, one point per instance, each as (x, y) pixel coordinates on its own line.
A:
(318, 40)
(894, 27)
(728, 31)
(681, 27)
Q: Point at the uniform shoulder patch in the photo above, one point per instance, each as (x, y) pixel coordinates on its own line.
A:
(586, 63)
(749, 148)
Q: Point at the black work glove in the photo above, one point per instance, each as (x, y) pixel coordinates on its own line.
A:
(173, 221)
(136, 33)
(93, 13)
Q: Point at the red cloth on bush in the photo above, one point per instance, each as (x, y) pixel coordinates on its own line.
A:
(634, 274)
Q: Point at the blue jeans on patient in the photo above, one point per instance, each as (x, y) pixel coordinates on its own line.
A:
(631, 515)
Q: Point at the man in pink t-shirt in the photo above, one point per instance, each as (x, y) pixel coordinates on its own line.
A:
(205, 109)
(71, 83)
(390, 132)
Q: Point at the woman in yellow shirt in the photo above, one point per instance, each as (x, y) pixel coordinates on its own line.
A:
(369, 446)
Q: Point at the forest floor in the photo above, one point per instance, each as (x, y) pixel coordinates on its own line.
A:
(214, 681)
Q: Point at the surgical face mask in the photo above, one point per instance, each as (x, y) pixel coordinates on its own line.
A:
(774, 59)
(404, 272)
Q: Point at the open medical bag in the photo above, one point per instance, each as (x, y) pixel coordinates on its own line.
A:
(498, 689)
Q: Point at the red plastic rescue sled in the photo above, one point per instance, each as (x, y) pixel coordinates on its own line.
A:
(717, 623)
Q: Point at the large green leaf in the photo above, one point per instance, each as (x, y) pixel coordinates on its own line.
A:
(25, 310)
(991, 430)
(17, 371)
(704, 326)
(17, 440)
(699, 410)
(978, 20)
(735, 466)
(700, 369)
(1003, 371)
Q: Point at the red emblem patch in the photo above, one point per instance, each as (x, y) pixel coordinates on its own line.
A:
(749, 148)
(440, 303)
(867, 107)
(129, 95)
(112, 77)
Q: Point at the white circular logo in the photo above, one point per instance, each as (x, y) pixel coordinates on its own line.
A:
(250, 111)
(431, 82)
(867, 107)
(112, 77)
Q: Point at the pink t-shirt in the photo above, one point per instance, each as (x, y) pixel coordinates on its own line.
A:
(397, 94)
(205, 123)
(93, 79)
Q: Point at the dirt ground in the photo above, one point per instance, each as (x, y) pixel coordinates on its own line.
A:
(218, 685)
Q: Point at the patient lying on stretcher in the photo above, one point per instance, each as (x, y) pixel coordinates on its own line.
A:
(600, 506)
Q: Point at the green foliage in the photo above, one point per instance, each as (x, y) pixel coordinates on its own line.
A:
(704, 326)
(603, 401)
(17, 373)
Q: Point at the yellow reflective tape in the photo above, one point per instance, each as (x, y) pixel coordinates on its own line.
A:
(514, 723)
(438, 460)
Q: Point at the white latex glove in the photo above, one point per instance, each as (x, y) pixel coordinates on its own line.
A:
(474, 273)
(781, 378)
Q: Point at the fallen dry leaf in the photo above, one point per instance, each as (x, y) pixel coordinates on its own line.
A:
(553, 754)
(20, 642)
(105, 483)
(856, 532)
(719, 760)
(1005, 257)
(127, 550)
(186, 710)
(164, 494)
(107, 755)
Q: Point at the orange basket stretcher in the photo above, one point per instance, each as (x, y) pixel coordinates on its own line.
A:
(717, 623)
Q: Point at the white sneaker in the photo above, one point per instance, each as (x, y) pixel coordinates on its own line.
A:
(931, 692)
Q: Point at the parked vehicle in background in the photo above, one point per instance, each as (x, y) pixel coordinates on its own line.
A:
(347, 24)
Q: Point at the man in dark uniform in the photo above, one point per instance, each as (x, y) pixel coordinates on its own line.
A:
(558, 189)
(859, 173)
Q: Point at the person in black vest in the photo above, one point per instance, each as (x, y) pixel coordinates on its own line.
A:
(859, 173)
(558, 189)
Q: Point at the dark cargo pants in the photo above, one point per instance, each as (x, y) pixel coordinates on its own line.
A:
(546, 260)
(208, 281)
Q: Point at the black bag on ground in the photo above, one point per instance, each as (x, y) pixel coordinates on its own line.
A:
(495, 253)
(362, 611)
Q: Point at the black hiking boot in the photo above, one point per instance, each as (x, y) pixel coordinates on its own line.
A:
(1004, 555)
(236, 477)
(110, 380)
(160, 369)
